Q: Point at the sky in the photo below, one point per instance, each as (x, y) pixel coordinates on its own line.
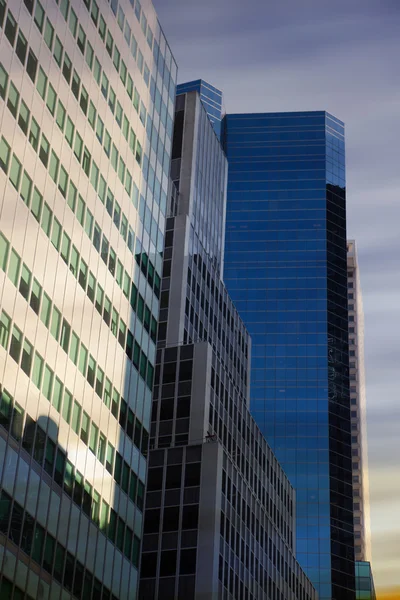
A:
(341, 56)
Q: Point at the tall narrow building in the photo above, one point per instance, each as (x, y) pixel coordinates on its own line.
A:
(211, 98)
(219, 510)
(362, 526)
(87, 93)
(286, 271)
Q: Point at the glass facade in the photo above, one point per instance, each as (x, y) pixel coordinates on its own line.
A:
(211, 98)
(364, 581)
(87, 95)
(219, 509)
(285, 269)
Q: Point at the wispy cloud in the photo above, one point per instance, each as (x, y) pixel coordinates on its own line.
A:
(342, 57)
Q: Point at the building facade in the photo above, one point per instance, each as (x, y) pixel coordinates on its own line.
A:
(286, 271)
(211, 98)
(365, 588)
(87, 104)
(362, 526)
(219, 510)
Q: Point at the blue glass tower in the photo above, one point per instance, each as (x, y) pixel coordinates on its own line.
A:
(211, 98)
(285, 268)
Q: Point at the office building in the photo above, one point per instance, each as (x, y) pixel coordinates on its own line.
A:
(362, 528)
(219, 510)
(211, 98)
(286, 271)
(365, 588)
(87, 93)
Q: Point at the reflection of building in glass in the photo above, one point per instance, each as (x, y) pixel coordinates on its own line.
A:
(211, 98)
(219, 511)
(365, 589)
(285, 269)
(87, 93)
(362, 527)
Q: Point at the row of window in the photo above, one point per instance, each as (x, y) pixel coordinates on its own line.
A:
(123, 24)
(59, 173)
(22, 529)
(82, 154)
(53, 389)
(54, 461)
(8, 593)
(47, 30)
(69, 341)
(61, 241)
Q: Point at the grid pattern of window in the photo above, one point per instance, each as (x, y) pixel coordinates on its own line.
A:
(87, 93)
(235, 490)
(171, 524)
(48, 455)
(358, 409)
(285, 268)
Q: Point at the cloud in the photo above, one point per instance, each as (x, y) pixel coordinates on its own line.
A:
(285, 55)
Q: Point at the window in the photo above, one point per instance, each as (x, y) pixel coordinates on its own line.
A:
(21, 47)
(92, 115)
(35, 296)
(109, 43)
(80, 212)
(47, 387)
(10, 28)
(85, 428)
(13, 100)
(27, 355)
(67, 406)
(44, 150)
(89, 56)
(76, 417)
(51, 99)
(67, 68)
(49, 34)
(39, 16)
(4, 155)
(25, 282)
(83, 355)
(14, 267)
(76, 84)
(58, 51)
(95, 12)
(55, 323)
(37, 370)
(57, 394)
(3, 82)
(47, 218)
(56, 234)
(34, 134)
(46, 310)
(41, 85)
(110, 458)
(31, 65)
(73, 22)
(78, 147)
(5, 324)
(54, 166)
(15, 172)
(94, 433)
(63, 181)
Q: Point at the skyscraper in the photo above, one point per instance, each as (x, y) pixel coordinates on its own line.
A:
(211, 98)
(286, 271)
(219, 510)
(362, 533)
(87, 93)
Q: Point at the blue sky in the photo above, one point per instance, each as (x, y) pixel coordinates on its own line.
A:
(342, 56)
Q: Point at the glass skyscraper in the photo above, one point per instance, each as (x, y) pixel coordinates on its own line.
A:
(286, 271)
(211, 98)
(87, 94)
(219, 511)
